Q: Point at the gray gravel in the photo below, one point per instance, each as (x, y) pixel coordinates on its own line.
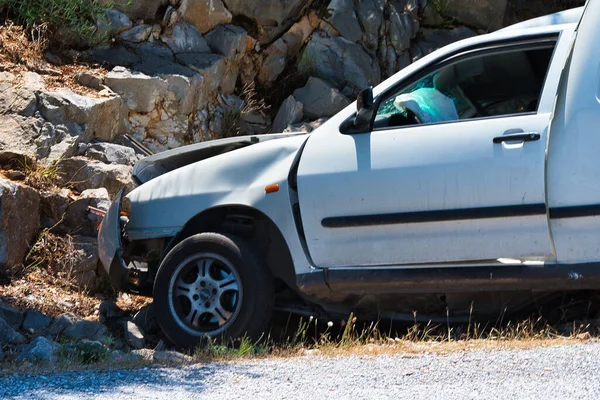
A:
(568, 372)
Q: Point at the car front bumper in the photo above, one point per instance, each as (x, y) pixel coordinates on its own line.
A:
(110, 247)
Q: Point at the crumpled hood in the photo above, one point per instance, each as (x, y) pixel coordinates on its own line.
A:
(161, 163)
(161, 206)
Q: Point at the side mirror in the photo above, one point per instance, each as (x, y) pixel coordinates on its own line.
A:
(365, 110)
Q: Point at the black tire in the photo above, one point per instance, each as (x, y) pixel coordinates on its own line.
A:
(178, 300)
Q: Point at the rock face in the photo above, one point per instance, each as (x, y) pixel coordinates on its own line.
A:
(19, 222)
(320, 99)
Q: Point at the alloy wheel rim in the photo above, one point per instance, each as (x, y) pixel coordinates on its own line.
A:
(205, 294)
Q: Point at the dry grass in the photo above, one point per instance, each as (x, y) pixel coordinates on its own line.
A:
(22, 51)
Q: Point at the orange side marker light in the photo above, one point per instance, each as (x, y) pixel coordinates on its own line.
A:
(272, 188)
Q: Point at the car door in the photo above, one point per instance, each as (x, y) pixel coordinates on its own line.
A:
(459, 191)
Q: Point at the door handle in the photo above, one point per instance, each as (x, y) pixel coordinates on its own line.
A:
(518, 137)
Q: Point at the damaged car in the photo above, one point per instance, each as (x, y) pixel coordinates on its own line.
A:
(466, 183)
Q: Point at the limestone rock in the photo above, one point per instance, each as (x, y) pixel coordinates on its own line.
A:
(134, 335)
(111, 153)
(81, 174)
(53, 207)
(344, 19)
(100, 118)
(204, 14)
(340, 62)
(370, 14)
(19, 222)
(290, 112)
(85, 330)
(35, 320)
(84, 270)
(140, 92)
(185, 38)
(17, 140)
(137, 34)
(320, 99)
(112, 23)
(40, 350)
(81, 221)
(62, 322)
(8, 335)
(272, 17)
(11, 315)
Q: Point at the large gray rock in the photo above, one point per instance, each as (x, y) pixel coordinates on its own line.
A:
(17, 139)
(62, 322)
(404, 26)
(432, 39)
(290, 112)
(81, 221)
(111, 153)
(100, 118)
(17, 99)
(185, 38)
(272, 17)
(370, 14)
(341, 62)
(84, 271)
(344, 19)
(40, 350)
(85, 330)
(81, 174)
(11, 315)
(204, 14)
(112, 23)
(230, 41)
(134, 335)
(137, 34)
(139, 9)
(19, 222)
(35, 320)
(482, 14)
(53, 206)
(146, 320)
(210, 66)
(140, 92)
(8, 335)
(320, 99)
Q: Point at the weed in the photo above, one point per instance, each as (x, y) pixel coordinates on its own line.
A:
(38, 176)
(232, 123)
(78, 16)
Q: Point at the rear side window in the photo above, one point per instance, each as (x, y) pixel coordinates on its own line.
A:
(488, 85)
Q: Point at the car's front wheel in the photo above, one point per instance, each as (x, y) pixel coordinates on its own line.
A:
(212, 285)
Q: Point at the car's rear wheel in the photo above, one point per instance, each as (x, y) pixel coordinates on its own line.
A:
(212, 285)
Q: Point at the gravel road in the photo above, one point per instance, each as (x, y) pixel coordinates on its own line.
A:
(562, 372)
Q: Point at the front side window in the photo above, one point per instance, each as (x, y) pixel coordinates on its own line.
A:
(488, 85)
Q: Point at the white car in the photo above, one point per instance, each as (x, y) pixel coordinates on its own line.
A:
(470, 177)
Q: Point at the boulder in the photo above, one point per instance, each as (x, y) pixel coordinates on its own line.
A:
(140, 92)
(17, 140)
(320, 99)
(210, 66)
(271, 17)
(84, 272)
(229, 41)
(290, 112)
(40, 350)
(62, 322)
(404, 26)
(19, 222)
(171, 357)
(9, 335)
(339, 61)
(138, 9)
(482, 14)
(112, 56)
(204, 14)
(89, 80)
(344, 19)
(12, 316)
(15, 99)
(109, 310)
(134, 335)
(85, 330)
(146, 320)
(185, 38)
(112, 23)
(53, 206)
(98, 118)
(79, 219)
(35, 320)
(137, 34)
(370, 14)
(81, 174)
(111, 153)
